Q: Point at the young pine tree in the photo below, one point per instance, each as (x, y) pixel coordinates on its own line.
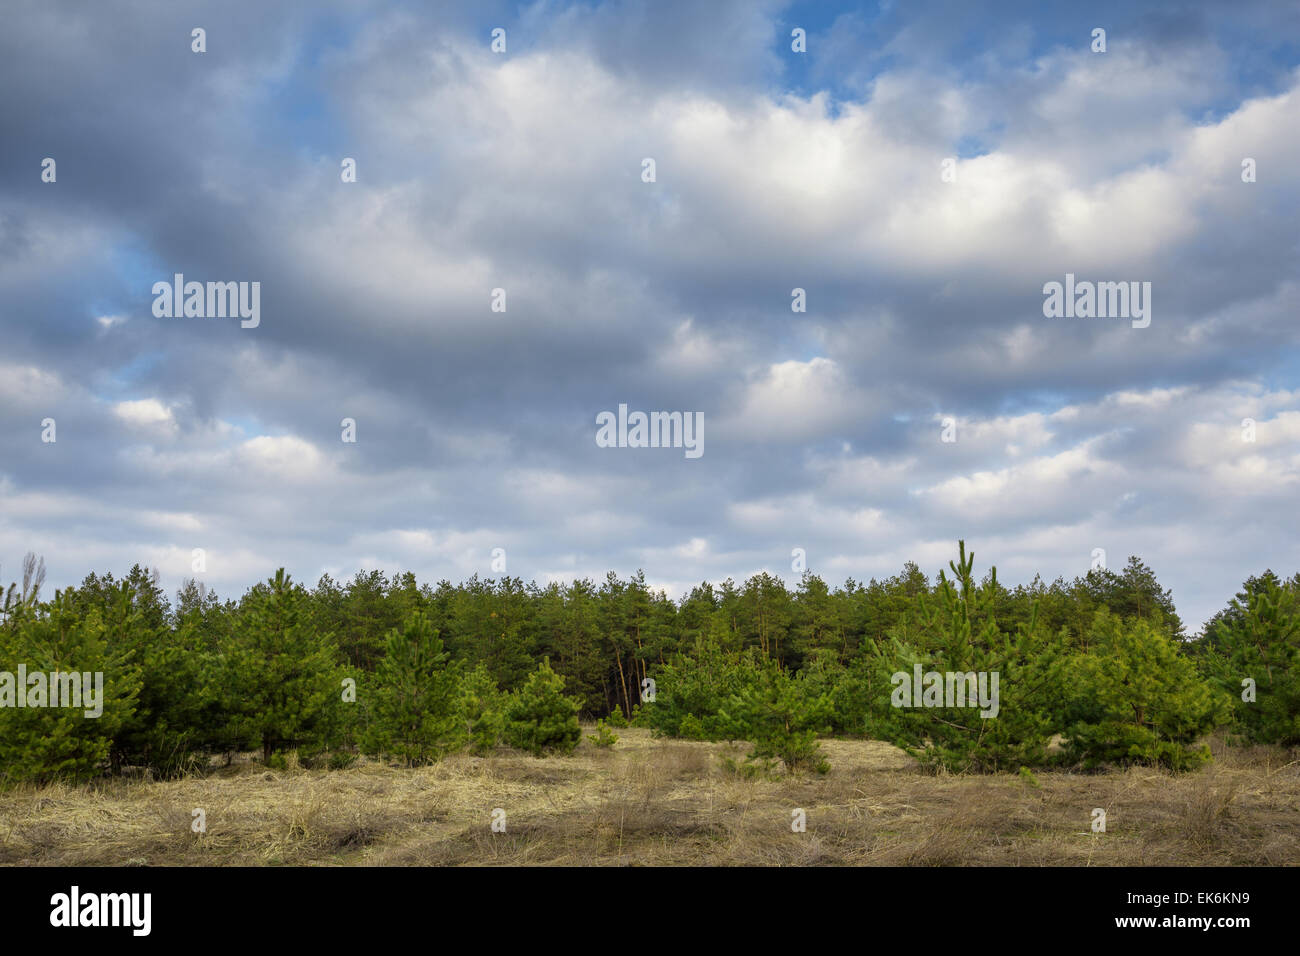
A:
(1259, 641)
(42, 743)
(956, 634)
(165, 733)
(692, 690)
(414, 711)
(1137, 699)
(281, 684)
(782, 716)
(482, 707)
(539, 718)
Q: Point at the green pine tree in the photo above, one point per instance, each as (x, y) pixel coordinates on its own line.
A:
(482, 710)
(782, 716)
(414, 702)
(1260, 641)
(1135, 698)
(539, 718)
(955, 632)
(43, 743)
(280, 682)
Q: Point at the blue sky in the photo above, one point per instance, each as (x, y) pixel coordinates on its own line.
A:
(775, 171)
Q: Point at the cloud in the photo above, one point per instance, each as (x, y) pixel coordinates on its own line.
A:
(522, 171)
(146, 413)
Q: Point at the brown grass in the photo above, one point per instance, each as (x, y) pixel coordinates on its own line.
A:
(667, 802)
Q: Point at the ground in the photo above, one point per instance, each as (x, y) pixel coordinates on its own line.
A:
(648, 801)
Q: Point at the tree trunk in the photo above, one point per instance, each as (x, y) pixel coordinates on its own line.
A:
(622, 680)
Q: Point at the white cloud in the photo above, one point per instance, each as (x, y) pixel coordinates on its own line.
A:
(146, 413)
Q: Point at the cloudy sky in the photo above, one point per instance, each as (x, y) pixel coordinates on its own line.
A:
(774, 170)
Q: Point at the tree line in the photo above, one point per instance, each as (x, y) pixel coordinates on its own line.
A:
(1090, 672)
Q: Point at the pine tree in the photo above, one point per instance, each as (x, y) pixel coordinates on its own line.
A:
(692, 690)
(1259, 640)
(165, 733)
(367, 619)
(482, 710)
(782, 716)
(43, 743)
(539, 718)
(1137, 699)
(818, 633)
(202, 628)
(765, 614)
(956, 632)
(281, 684)
(413, 705)
(570, 633)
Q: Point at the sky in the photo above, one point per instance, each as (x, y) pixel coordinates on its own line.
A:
(774, 170)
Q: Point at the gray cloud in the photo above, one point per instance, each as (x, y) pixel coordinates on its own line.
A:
(476, 429)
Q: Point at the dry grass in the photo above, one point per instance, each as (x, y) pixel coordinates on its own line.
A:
(667, 802)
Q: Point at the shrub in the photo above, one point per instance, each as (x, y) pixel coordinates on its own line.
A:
(603, 737)
(279, 760)
(690, 728)
(340, 759)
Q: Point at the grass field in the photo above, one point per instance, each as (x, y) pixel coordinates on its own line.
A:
(650, 801)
